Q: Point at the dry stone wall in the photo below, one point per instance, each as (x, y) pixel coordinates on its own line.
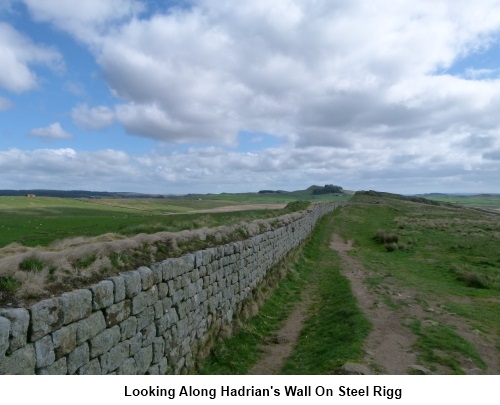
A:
(152, 320)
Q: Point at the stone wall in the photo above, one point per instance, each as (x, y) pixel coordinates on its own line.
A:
(152, 320)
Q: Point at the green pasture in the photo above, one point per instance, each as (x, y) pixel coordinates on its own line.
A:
(272, 198)
(43, 220)
(448, 255)
(480, 200)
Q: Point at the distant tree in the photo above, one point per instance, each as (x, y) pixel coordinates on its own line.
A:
(327, 189)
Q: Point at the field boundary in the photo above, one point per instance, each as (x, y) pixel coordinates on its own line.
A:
(153, 320)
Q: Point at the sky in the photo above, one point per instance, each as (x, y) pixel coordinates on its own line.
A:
(211, 96)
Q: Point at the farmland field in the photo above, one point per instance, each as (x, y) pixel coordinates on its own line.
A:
(491, 201)
(43, 220)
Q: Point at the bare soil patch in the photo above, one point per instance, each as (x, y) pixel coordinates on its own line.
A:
(388, 347)
(234, 208)
(280, 346)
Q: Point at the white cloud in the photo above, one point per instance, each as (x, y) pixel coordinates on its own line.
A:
(402, 166)
(5, 104)
(92, 118)
(53, 131)
(86, 20)
(359, 90)
(319, 70)
(18, 53)
(315, 71)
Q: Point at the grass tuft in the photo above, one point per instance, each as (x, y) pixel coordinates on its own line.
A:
(385, 237)
(9, 285)
(32, 263)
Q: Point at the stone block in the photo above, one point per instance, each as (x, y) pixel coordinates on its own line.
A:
(64, 340)
(145, 318)
(135, 343)
(158, 307)
(88, 328)
(189, 260)
(117, 313)
(78, 358)
(59, 367)
(163, 366)
(198, 259)
(127, 368)
(102, 294)
(93, 367)
(4, 336)
(104, 341)
(143, 359)
(132, 283)
(20, 362)
(158, 349)
(162, 290)
(46, 316)
(44, 351)
(144, 299)
(19, 322)
(128, 328)
(167, 270)
(113, 359)
(153, 370)
(157, 270)
(119, 288)
(148, 334)
(147, 277)
(76, 305)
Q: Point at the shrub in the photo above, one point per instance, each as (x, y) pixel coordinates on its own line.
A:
(385, 237)
(295, 206)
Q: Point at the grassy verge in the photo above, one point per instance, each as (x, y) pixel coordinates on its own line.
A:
(332, 336)
(336, 328)
(238, 353)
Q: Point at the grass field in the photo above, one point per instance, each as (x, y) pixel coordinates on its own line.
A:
(448, 255)
(481, 200)
(43, 220)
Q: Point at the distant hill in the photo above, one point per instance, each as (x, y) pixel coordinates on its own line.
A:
(444, 195)
(311, 190)
(416, 199)
(77, 194)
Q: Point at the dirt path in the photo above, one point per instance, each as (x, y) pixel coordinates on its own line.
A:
(234, 208)
(388, 347)
(280, 346)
